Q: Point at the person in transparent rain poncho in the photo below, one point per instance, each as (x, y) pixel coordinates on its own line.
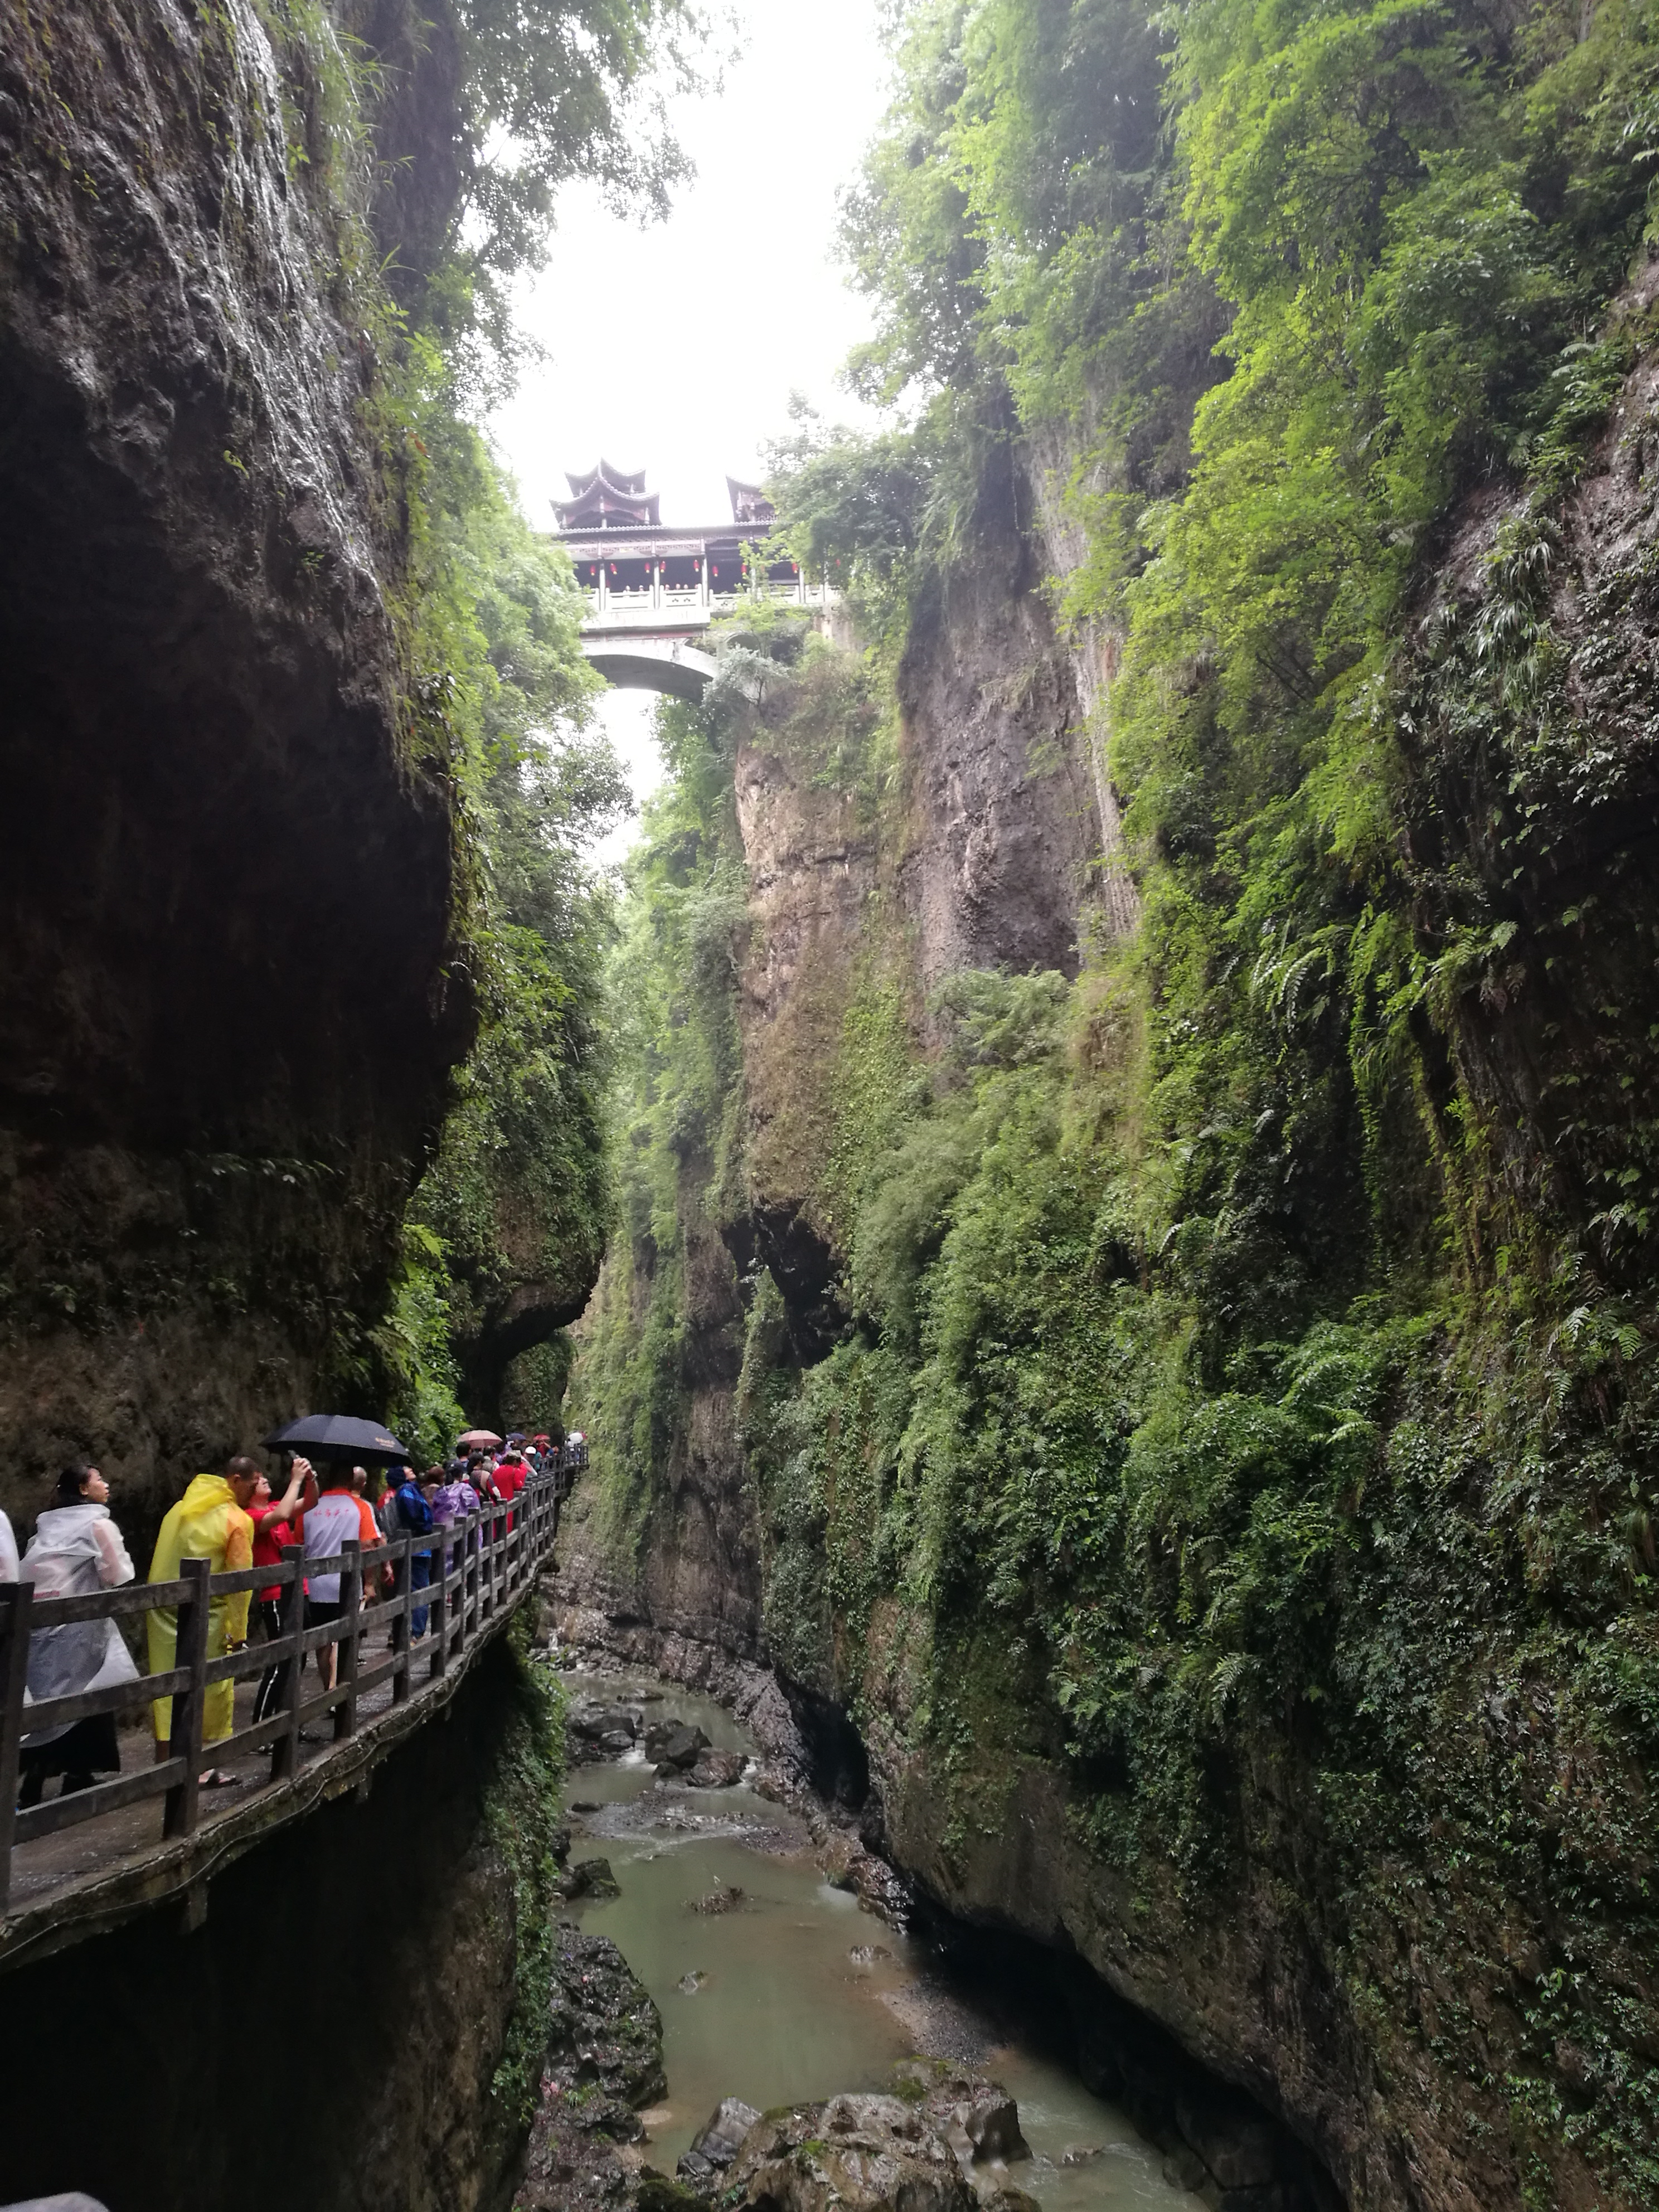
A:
(76, 1549)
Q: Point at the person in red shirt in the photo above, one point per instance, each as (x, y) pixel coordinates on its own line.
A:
(272, 1520)
(511, 1476)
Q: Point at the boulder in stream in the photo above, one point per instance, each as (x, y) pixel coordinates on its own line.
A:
(604, 2060)
(716, 1770)
(727, 1899)
(597, 1722)
(718, 2140)
(858, 2154)
(990, 2121)
(673, 1744)
(589, 1878)
(978, 2118)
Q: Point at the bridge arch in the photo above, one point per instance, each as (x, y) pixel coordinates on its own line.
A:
(670, 665)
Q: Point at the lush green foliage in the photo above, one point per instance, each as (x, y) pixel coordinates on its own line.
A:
(521, 1811)
(479, 112)
(1247, 1393)
(676, 1108)
(519, 1194)
(438, 150)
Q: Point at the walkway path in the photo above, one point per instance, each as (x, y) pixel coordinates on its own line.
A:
(111, 1858)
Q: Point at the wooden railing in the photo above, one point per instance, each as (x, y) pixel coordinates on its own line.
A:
(480, 1567)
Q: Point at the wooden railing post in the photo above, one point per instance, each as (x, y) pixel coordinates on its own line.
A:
(471, 1568)
(16, 1599)
(190, 1709)
(439, 1629)
(290, 1688)
(402, 1569)
(351, 1581)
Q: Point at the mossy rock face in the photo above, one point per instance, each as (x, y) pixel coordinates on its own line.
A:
(1203, 1433)
(589, 1878)
(866, 2153)
(655, 2192)
(603, 2063)
(269, 865)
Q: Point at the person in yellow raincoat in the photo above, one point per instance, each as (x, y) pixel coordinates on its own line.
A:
(211, 1521)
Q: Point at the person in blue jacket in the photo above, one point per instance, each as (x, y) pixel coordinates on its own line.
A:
(413, 1510)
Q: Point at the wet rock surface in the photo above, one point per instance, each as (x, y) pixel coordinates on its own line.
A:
(677, 1749)
(717, 2142)
(863, 2153)
(603, 2064)
(940, 2144)
(205, 705)
(673, 1744)
(589, 1878)
(945, 2141)
(716, 1770)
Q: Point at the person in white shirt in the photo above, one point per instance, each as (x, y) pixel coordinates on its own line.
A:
(75, 1550)
(341, 1515)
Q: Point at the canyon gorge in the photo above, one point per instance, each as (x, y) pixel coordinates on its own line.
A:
(1094, 1188)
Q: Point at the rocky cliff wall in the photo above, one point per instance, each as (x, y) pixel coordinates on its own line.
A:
(1010, 820)
(229, 1004)
(1396, 1890)
(878, 860)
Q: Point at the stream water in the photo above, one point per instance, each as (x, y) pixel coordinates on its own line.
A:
(793, 1991)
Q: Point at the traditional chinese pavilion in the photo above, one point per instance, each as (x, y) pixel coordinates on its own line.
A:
(606, 498)
(654, 590)
(635, 566)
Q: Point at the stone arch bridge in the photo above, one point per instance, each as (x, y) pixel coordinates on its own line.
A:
(654, 591)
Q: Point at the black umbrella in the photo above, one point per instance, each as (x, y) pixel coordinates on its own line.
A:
(338, 1436)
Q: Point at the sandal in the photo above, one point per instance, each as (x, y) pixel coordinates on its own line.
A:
(216, 1778)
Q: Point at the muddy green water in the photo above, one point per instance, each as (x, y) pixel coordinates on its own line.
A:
(766, 2001)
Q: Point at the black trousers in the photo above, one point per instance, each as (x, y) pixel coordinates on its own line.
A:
(81, 1753)
(271, 1619)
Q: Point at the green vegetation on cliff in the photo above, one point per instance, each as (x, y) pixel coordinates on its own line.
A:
(438, 138)
(504, 1233)
(678, 1108)
(1245, 1393)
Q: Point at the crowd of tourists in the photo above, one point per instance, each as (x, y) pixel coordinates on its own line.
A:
(233, 1520)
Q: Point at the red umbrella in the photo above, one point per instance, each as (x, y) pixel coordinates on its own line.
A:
(484, 1438)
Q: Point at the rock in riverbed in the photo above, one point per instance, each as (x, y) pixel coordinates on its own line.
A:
(937, 2146)
(589, 1878)
(672, 1746)
(860, 2154)
(604, 2061)
(727, 1899)
(716, 1770)
(595, 1722)
(718, 2142)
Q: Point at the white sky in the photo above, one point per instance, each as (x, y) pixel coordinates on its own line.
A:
(674, 348)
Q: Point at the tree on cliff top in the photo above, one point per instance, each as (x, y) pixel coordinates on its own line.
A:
(483, 109)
